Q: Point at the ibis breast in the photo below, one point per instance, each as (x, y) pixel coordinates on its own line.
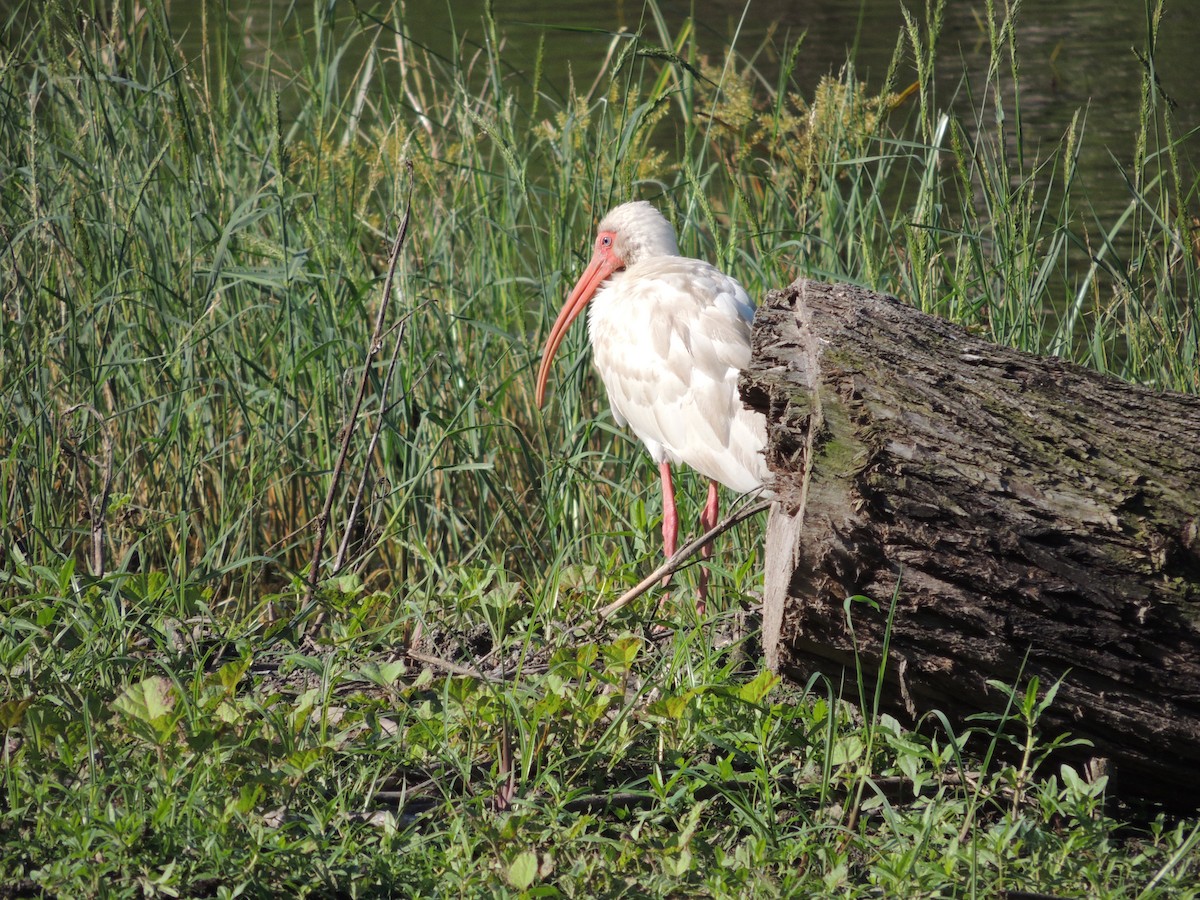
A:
(669, 336)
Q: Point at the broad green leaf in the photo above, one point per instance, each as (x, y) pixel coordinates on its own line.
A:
(382, 674)
(679, 864)
(147, 701)
(231, 673)
(248, 797)
(673, 707)
(13, 711)
(523, 870)
(755, 690)
(846, 750)
(302, 761)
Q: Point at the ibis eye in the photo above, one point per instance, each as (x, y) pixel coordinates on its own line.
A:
(606, 241)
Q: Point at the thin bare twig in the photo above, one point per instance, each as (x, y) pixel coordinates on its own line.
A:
(438, 663)
(505, 764)
(356, 506)
(352, 417)
(98, 506)
(682, 555)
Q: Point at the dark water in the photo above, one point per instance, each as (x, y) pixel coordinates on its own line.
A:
(1075, 55)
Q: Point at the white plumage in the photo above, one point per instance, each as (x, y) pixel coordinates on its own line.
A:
(669, 336)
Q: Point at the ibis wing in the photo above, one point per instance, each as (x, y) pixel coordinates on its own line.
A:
(669, 337)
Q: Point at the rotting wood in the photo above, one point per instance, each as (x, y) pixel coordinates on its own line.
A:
(1041, 519)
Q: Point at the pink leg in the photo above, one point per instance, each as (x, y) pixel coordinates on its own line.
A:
(670, 526)
(670, 533)
(708, 518)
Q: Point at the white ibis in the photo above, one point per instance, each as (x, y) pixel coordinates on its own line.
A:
(669, 335)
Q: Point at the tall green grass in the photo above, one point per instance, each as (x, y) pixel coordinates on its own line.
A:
(194, 253)
(194, 249)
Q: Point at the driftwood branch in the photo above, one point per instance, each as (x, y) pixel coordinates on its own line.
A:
(680, 558)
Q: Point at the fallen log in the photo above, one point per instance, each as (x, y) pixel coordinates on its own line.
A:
(1033, 518)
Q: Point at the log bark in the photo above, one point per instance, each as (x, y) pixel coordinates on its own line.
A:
(1032, 518)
